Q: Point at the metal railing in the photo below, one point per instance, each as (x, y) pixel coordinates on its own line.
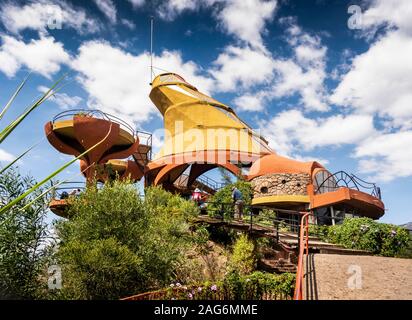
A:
(145, 138)
(192, 293)
(278, 221)
(95, 114)
(213, 184)
(303, 249)
(343, 179)
(68, 187)
(205, 180)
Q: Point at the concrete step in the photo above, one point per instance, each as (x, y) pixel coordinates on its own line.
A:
(277, 266)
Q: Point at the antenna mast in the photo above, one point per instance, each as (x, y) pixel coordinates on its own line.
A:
(151, 49)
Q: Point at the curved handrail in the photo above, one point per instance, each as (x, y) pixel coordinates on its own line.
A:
(96, 114)
(350, 181)
(69, 185)
(303, 246)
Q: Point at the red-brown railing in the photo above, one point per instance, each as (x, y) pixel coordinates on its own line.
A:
(303, 247)
(213, 292)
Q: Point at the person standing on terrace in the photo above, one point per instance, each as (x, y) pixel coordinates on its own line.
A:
(237, 198)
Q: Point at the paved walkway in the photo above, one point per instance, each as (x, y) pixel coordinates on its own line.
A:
(349, 277)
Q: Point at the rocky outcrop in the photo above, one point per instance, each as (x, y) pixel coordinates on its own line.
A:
(280, 184)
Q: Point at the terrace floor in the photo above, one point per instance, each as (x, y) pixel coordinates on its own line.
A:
(334, 277)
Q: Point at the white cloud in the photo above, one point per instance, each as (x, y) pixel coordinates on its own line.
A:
(38, 15)
(5, 156)
(246, 19)
(379, 81)
(393, 14)
(244, 67)
(137, 3)
(63, 100)
(108, 8)
(308, 84)
(118, 82)
(43, 56)
(250, 102)
(302, 74)
(290, 131)
(172, 8)
(128, 24)
(387, 156)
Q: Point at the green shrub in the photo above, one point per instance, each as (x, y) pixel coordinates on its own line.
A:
(319, 231)
(367, 234)
(407, 251)
(222, 203)
(243, 259)
(117, 244)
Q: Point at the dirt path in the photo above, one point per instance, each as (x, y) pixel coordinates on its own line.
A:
(362, 277)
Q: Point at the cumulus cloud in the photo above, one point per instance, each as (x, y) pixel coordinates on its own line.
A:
(302, 74)
(391, 14)
(108, 8)
(5, 156)
(387, 156)
(170, 9)
(246, 19)
(43, 56)
(63, 100)
(250, 102)
(379, 81)
(291, 131)
(137, 3)
(43, 14)
(242, 67)
(118, 82)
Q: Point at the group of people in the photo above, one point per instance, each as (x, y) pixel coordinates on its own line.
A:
(73, 193)
(201, 199)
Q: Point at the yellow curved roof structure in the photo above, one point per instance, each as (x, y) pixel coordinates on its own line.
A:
(195, 122)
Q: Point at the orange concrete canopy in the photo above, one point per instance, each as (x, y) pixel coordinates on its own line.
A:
(75, 131)
(274, 163)
(320, 194)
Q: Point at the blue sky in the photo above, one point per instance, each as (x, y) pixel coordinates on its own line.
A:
(315, 87)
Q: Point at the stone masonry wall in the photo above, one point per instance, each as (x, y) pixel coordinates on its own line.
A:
(280, 184)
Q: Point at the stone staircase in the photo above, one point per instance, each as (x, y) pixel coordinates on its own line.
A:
(277, 261)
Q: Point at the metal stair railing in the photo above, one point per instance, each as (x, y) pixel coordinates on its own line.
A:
(303, 251)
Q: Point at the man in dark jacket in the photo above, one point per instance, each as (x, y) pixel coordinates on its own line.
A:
(237, 198)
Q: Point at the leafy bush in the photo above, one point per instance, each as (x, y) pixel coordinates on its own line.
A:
(243, 259)
(222, 203)
(320, 231)
(407, 251)
(367, 234)
(117, 244)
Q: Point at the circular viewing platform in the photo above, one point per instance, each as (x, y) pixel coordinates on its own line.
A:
(63, 124)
